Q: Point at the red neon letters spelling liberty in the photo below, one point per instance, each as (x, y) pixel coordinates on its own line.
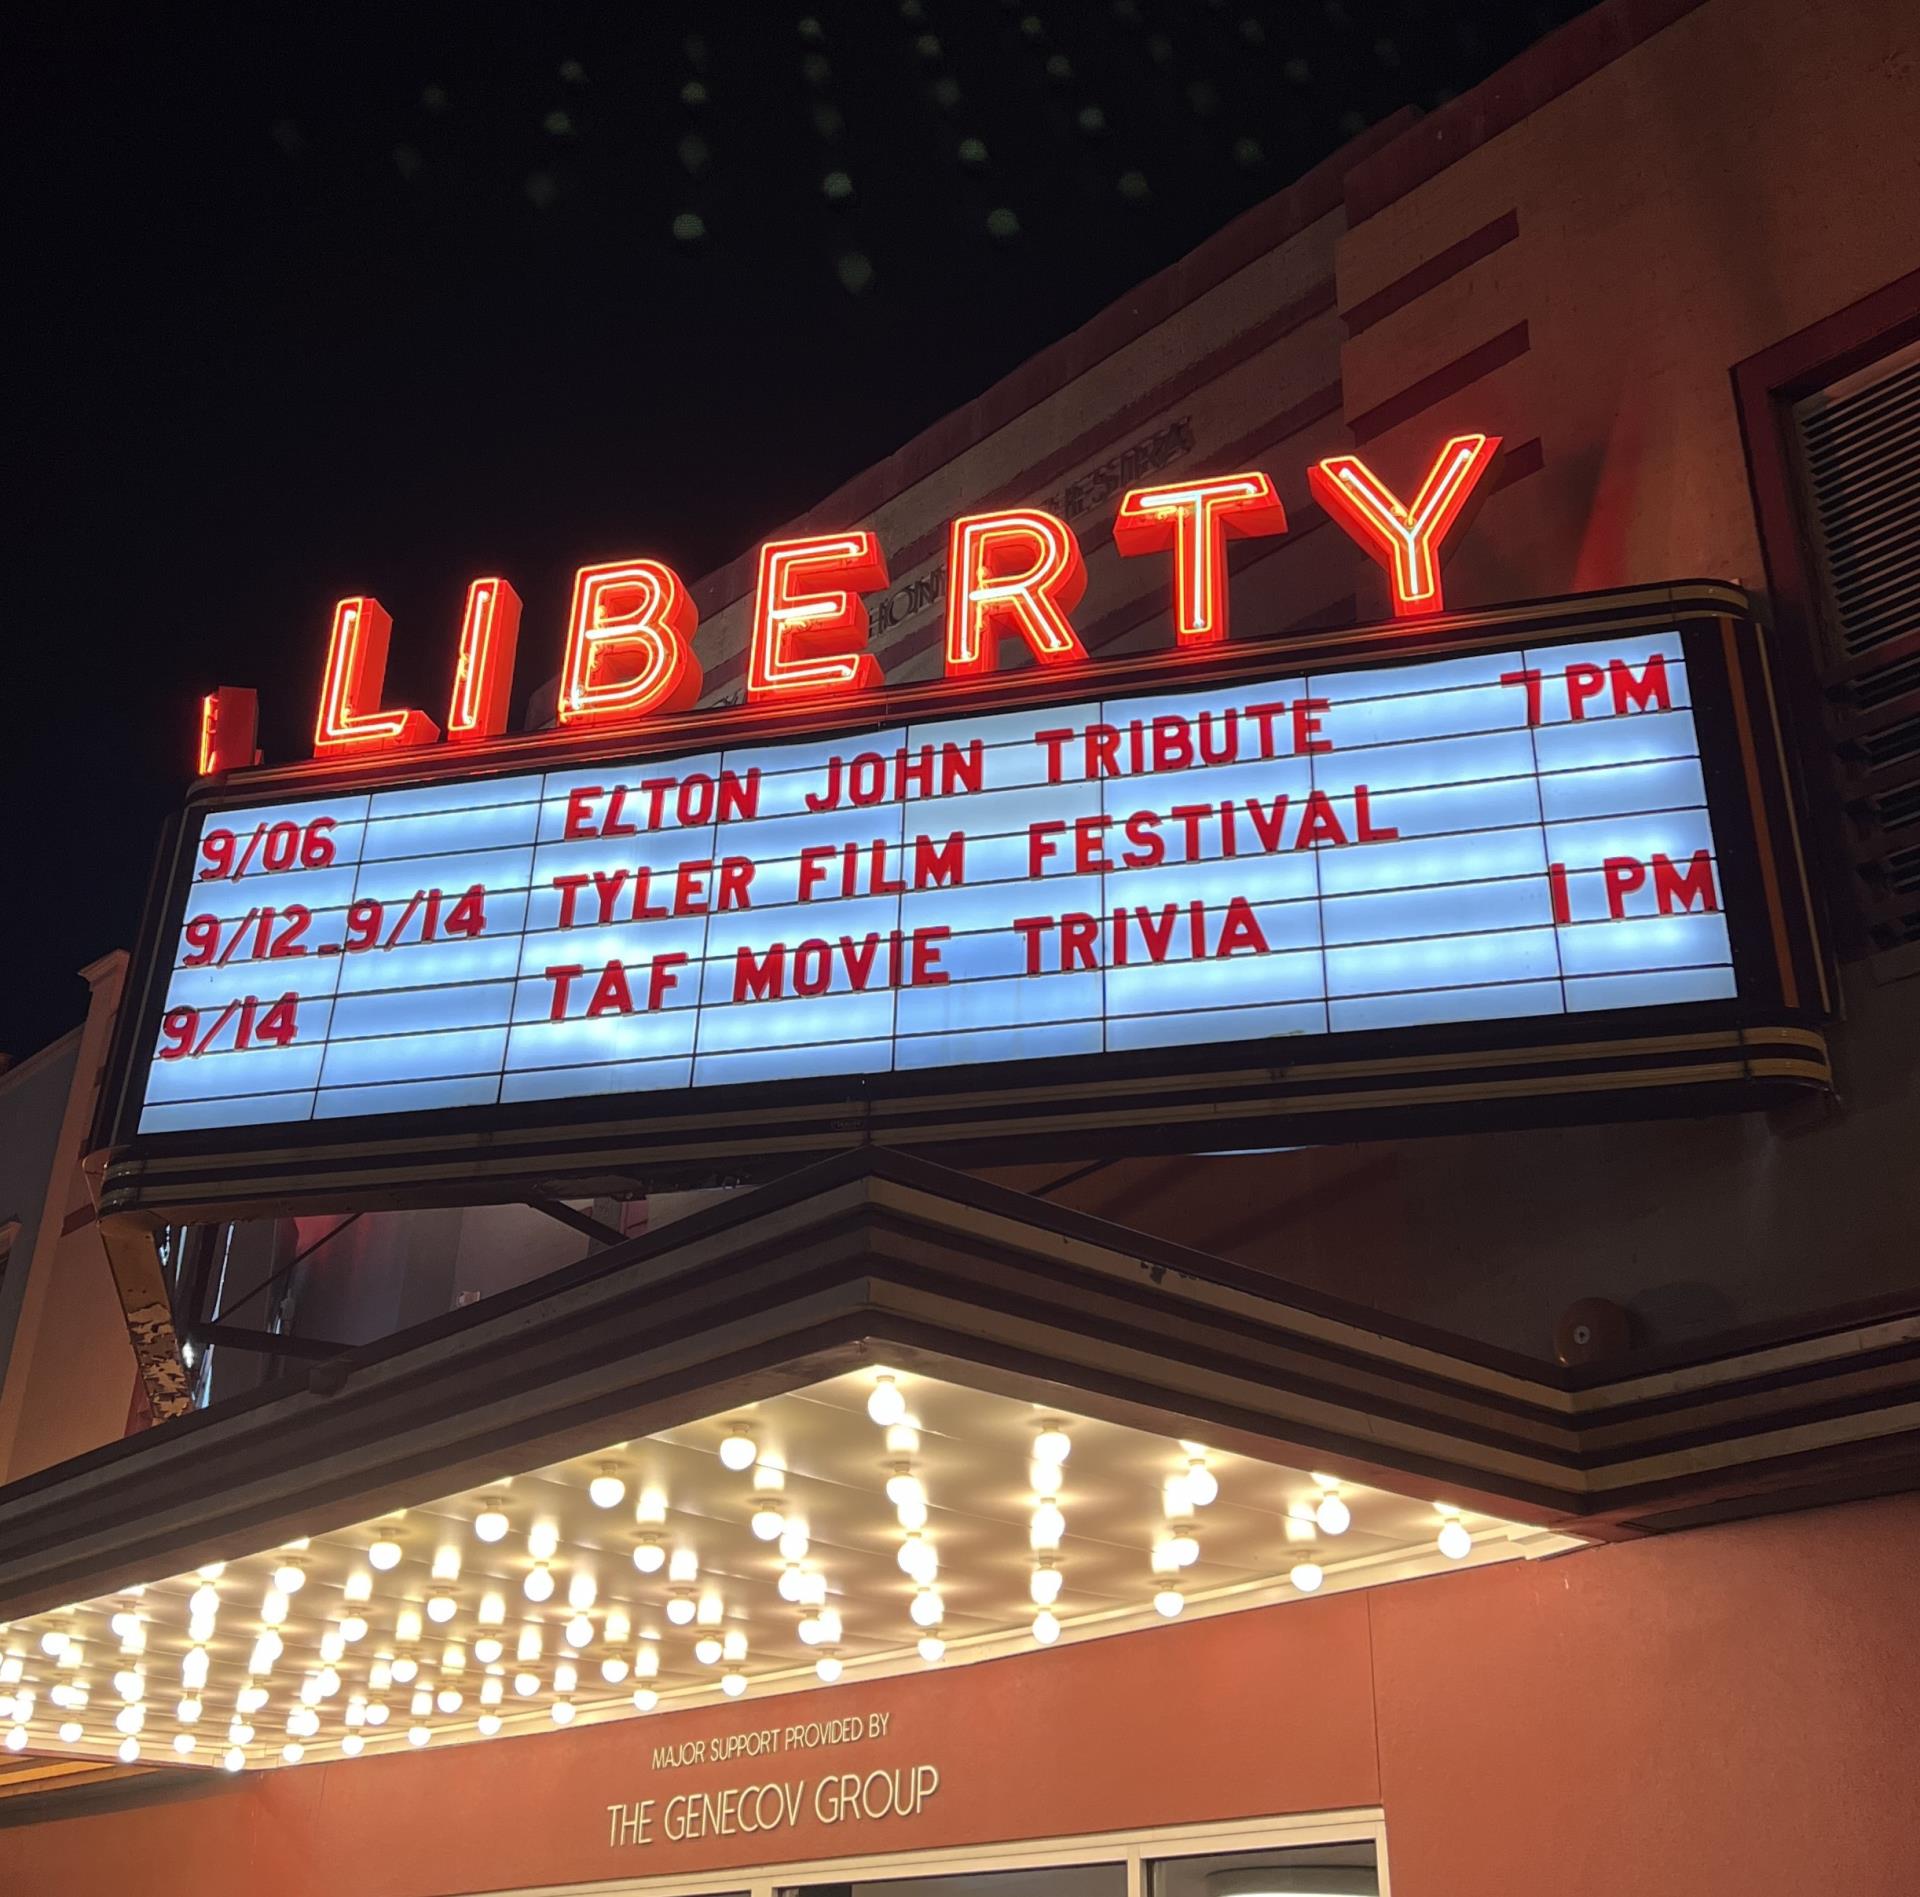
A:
(1016, 573)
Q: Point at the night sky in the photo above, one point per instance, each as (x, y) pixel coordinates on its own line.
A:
(317, 301)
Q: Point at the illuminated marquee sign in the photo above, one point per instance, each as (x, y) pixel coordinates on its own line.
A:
(1519, 833)
(1511, 863)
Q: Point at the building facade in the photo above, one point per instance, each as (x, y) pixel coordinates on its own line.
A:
(1465, 1441)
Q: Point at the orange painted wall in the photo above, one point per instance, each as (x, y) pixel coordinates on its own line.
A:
(1724, 1714)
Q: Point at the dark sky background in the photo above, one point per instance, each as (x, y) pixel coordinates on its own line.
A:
(312, 301)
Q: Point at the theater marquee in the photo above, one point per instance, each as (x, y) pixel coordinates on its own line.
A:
(1519, 863)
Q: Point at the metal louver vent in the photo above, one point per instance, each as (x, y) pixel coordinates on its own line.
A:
(1861, 451)
(1858, 444)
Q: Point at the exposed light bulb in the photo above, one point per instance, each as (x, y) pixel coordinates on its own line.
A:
(904, 1486)
(581, 1590)
(707, 1650)
(903, 1440)
(418, 1735)
(885, 1405)
(1306, 1576)
(1046, 1629)
(351, 1744)
(650, 1508)
(53, 1643)
(384, 1553)
(813, 1588)
(911, 1514)
(794, 1542)
(543, 1541)
(1046, 1479)
(932, 1647)
(487, 1650)
(607, 1489)
(646, 1661)
(1182, 1546)
(827, 1669)
(1043, 1585)
(290, 1577)
(648, 1555)
(613, 1670)
(526, 1684)
(377, 1715)
(1168, 1602)
(130, 1718)
(1202, 1484)
(488, 1724)
(353, 1628)
(1454, 1541)
(792, 1582)
(1333, 1515)
(441, 1608)
(70, 1732)
(183, 1743)
(562, 1711)
(405, 1670)
(645, 1699)
(1046, 1527)
(273, 1610)
(128, 1749)
(204, 1601)
(733, 1684)
(293, 1752)
(683, 1565)
(538, 1586)
(491, 1524)
(1052, 1444)
(737, 1450)
(188, 1711)
(769, 1523)
(579, 1631)
(233, 1759)
(680, 1609)
(447, 1700)
(918, 1560)
(927, 1608)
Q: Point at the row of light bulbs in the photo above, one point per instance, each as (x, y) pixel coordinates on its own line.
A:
(1175, 1548)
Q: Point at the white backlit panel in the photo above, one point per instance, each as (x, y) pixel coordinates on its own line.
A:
(1513, 834)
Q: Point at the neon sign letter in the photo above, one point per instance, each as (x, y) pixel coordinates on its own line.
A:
(229, 725)
(1018, 571)
(355, 676)
(811, 640)
(1407, 541)
(629, 644)
(483, 674)
(1194, 518)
